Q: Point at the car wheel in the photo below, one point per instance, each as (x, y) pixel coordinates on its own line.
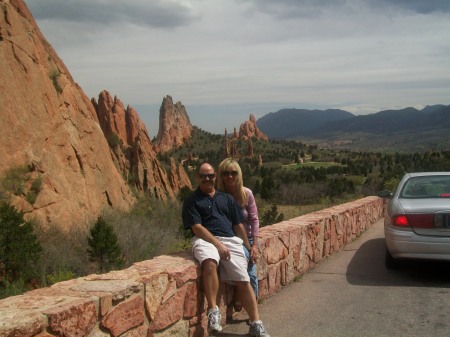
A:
(390, 262)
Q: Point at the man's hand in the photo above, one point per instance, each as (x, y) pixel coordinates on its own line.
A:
(224, 253)
(206, 235)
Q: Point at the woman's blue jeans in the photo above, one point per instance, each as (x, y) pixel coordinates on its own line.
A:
(251, 270)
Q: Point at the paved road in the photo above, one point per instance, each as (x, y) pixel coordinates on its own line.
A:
(353, 294)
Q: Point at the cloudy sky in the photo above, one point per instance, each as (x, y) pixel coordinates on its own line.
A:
(226, 59)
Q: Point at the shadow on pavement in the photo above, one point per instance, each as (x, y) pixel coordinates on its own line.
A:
(367, 269)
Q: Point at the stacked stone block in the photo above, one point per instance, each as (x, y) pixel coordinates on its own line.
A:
(163, 296)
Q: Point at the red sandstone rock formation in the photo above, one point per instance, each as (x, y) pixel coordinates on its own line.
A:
(248, 129)
(49, 126)
(174, 126)
(133, 152)
(247, 132)
(178, 176)
(235, 134)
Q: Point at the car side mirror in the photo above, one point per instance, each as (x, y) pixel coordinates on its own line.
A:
(385, 194)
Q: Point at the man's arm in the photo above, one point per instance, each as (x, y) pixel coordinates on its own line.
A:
(206, 235)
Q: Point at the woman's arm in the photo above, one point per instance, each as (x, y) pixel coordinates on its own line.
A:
(252, 210)
(253, 221)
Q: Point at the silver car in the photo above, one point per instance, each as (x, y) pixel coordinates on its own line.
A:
(417, 223)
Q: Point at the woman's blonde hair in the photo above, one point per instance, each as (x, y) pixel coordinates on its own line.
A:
(233, 164)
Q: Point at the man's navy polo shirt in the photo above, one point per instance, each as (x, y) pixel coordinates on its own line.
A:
(218, 214)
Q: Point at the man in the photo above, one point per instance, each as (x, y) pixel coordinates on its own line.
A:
(214, 218)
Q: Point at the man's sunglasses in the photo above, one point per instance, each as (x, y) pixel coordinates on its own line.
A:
(230, 173)
(204, 176)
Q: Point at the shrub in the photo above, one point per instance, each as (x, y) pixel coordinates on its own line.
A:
(391, 184)
(152, 228)
(34, 190)
(114, 140)
(56, 239)
(54, 75)
(14, 288)
(59, 276)
(14, 180)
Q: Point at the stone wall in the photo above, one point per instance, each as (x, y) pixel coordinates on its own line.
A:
(163, 296)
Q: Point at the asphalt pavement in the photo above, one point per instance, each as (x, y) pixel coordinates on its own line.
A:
(352, 294)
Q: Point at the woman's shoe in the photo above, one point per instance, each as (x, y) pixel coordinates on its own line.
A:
(237, 306)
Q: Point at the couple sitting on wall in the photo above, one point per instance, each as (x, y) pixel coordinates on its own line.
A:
(221, 241)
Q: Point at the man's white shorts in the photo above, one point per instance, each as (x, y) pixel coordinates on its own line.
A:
(234, 269)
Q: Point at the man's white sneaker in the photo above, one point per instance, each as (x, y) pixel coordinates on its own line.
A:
(214, 319)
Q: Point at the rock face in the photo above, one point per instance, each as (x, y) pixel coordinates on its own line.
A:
(174, 126)
(74, 155)
(132, 150)
(248, 129)
(49, 126)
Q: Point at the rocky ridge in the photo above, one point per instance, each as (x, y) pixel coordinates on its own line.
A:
(132, 150)
(53, 138)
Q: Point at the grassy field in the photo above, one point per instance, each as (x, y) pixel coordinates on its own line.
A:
(310, 164)
(293, 211)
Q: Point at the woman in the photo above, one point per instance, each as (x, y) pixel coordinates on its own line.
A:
(230, 181)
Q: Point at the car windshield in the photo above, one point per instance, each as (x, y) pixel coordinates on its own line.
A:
(426, 187)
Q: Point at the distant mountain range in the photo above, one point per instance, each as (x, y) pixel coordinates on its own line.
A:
(407, 129)
(291, 123)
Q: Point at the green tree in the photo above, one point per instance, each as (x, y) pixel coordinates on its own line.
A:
(339, 186)
(267, 187)
(104, 247)
(257, 187)
(271, 216)
(184, 193)
(391, 184)
(19, 247)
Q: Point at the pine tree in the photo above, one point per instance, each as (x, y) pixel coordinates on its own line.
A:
(19, 246)
(257, 187)
(267, 187)
(104, 247)
(271, 216)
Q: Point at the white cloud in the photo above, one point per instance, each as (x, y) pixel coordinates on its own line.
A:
(155, 13)
(233, 58)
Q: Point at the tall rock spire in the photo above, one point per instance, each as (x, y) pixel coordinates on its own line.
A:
(174, 126)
